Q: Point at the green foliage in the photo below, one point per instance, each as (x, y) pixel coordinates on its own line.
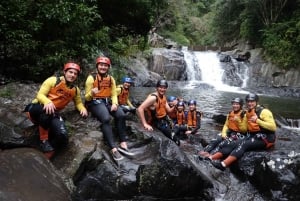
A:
(281, 42)
(38, 37)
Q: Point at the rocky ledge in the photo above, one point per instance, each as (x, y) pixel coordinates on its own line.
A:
(160, 170)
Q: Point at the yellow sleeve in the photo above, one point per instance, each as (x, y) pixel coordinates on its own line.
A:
(118, 90)
(266, 120)
(78, 101)
(243, 124)
(225, 128)
(88, 88)
(42, 94)
(129, 103)
(114, 96)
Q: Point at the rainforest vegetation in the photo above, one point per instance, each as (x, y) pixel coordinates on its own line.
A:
(38, 36)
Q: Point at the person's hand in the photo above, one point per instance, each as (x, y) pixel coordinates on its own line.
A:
(148, 127)
(188, 132)
(236, 118)
(84, 113)
(49, 108)
(114, 107)
(95, 90)
(253, 118)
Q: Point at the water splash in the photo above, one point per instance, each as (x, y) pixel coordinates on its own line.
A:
(212, 72)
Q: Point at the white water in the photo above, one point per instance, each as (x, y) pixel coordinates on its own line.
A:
(209, 66)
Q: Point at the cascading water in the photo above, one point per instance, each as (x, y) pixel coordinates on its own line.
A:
(205, 67)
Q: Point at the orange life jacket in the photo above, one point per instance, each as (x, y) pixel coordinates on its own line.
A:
(252, 126)
(173, 114)
(104, 86)
(61, 94)
(181, 120)
(123, 96)
(232, 123)
(160, 106)
(192, 118)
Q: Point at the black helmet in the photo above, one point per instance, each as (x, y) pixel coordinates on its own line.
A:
(180, 103)
(163, 83)
(237, 100)
(251, 97)
(192, 102)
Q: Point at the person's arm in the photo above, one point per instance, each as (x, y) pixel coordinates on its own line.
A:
(78, 103)
(266, 120)
(118, 90)
(171, 109)
(88, 88)
(44, 90)
(129, 103)
(225, 129)
(242, 124)
(198, 123)
(150, 100)
(114, 96)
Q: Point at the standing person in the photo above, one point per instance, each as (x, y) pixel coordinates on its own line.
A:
(102, 101)
(261, 129)
(235, 127)
(54, 94)
(159, 102)
(123, 95)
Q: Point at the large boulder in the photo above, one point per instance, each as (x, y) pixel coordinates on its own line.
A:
(26, 174)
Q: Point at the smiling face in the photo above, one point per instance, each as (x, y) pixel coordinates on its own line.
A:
(192, 107)
(126, 85)
(161, 90)
(236, 106)
(251, 104)
(71, 75)
(102, 68)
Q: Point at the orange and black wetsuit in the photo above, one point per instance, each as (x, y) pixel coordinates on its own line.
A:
(99, 105)
(162, 121)
(260, 136)
(52, 127)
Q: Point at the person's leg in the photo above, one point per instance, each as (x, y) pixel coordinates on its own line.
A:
(120, 121)
(101, 112)
(213, 145)
(58, 133)
(248, 144)
(164, 127)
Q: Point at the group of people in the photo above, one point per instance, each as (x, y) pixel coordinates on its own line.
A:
(244, 130)
(103, 99)
(168, 114)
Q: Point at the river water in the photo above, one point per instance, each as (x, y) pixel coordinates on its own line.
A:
(212, 96)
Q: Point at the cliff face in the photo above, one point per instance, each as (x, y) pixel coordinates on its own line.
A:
(274, 76)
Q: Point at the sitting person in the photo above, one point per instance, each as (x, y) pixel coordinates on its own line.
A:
(159, 102)
(235, 127)
(54, 95)
(261, 129)
(102, 101)
(172, 100)
(123, 95)
(192, 120)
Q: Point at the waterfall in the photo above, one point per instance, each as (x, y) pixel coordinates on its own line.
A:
(205, 67)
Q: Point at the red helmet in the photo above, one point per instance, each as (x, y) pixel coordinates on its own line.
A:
(103, 60)
(72, 66)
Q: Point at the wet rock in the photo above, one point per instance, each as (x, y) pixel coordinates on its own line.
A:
(25, 174)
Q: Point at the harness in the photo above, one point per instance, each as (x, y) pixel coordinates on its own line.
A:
(263, 133)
